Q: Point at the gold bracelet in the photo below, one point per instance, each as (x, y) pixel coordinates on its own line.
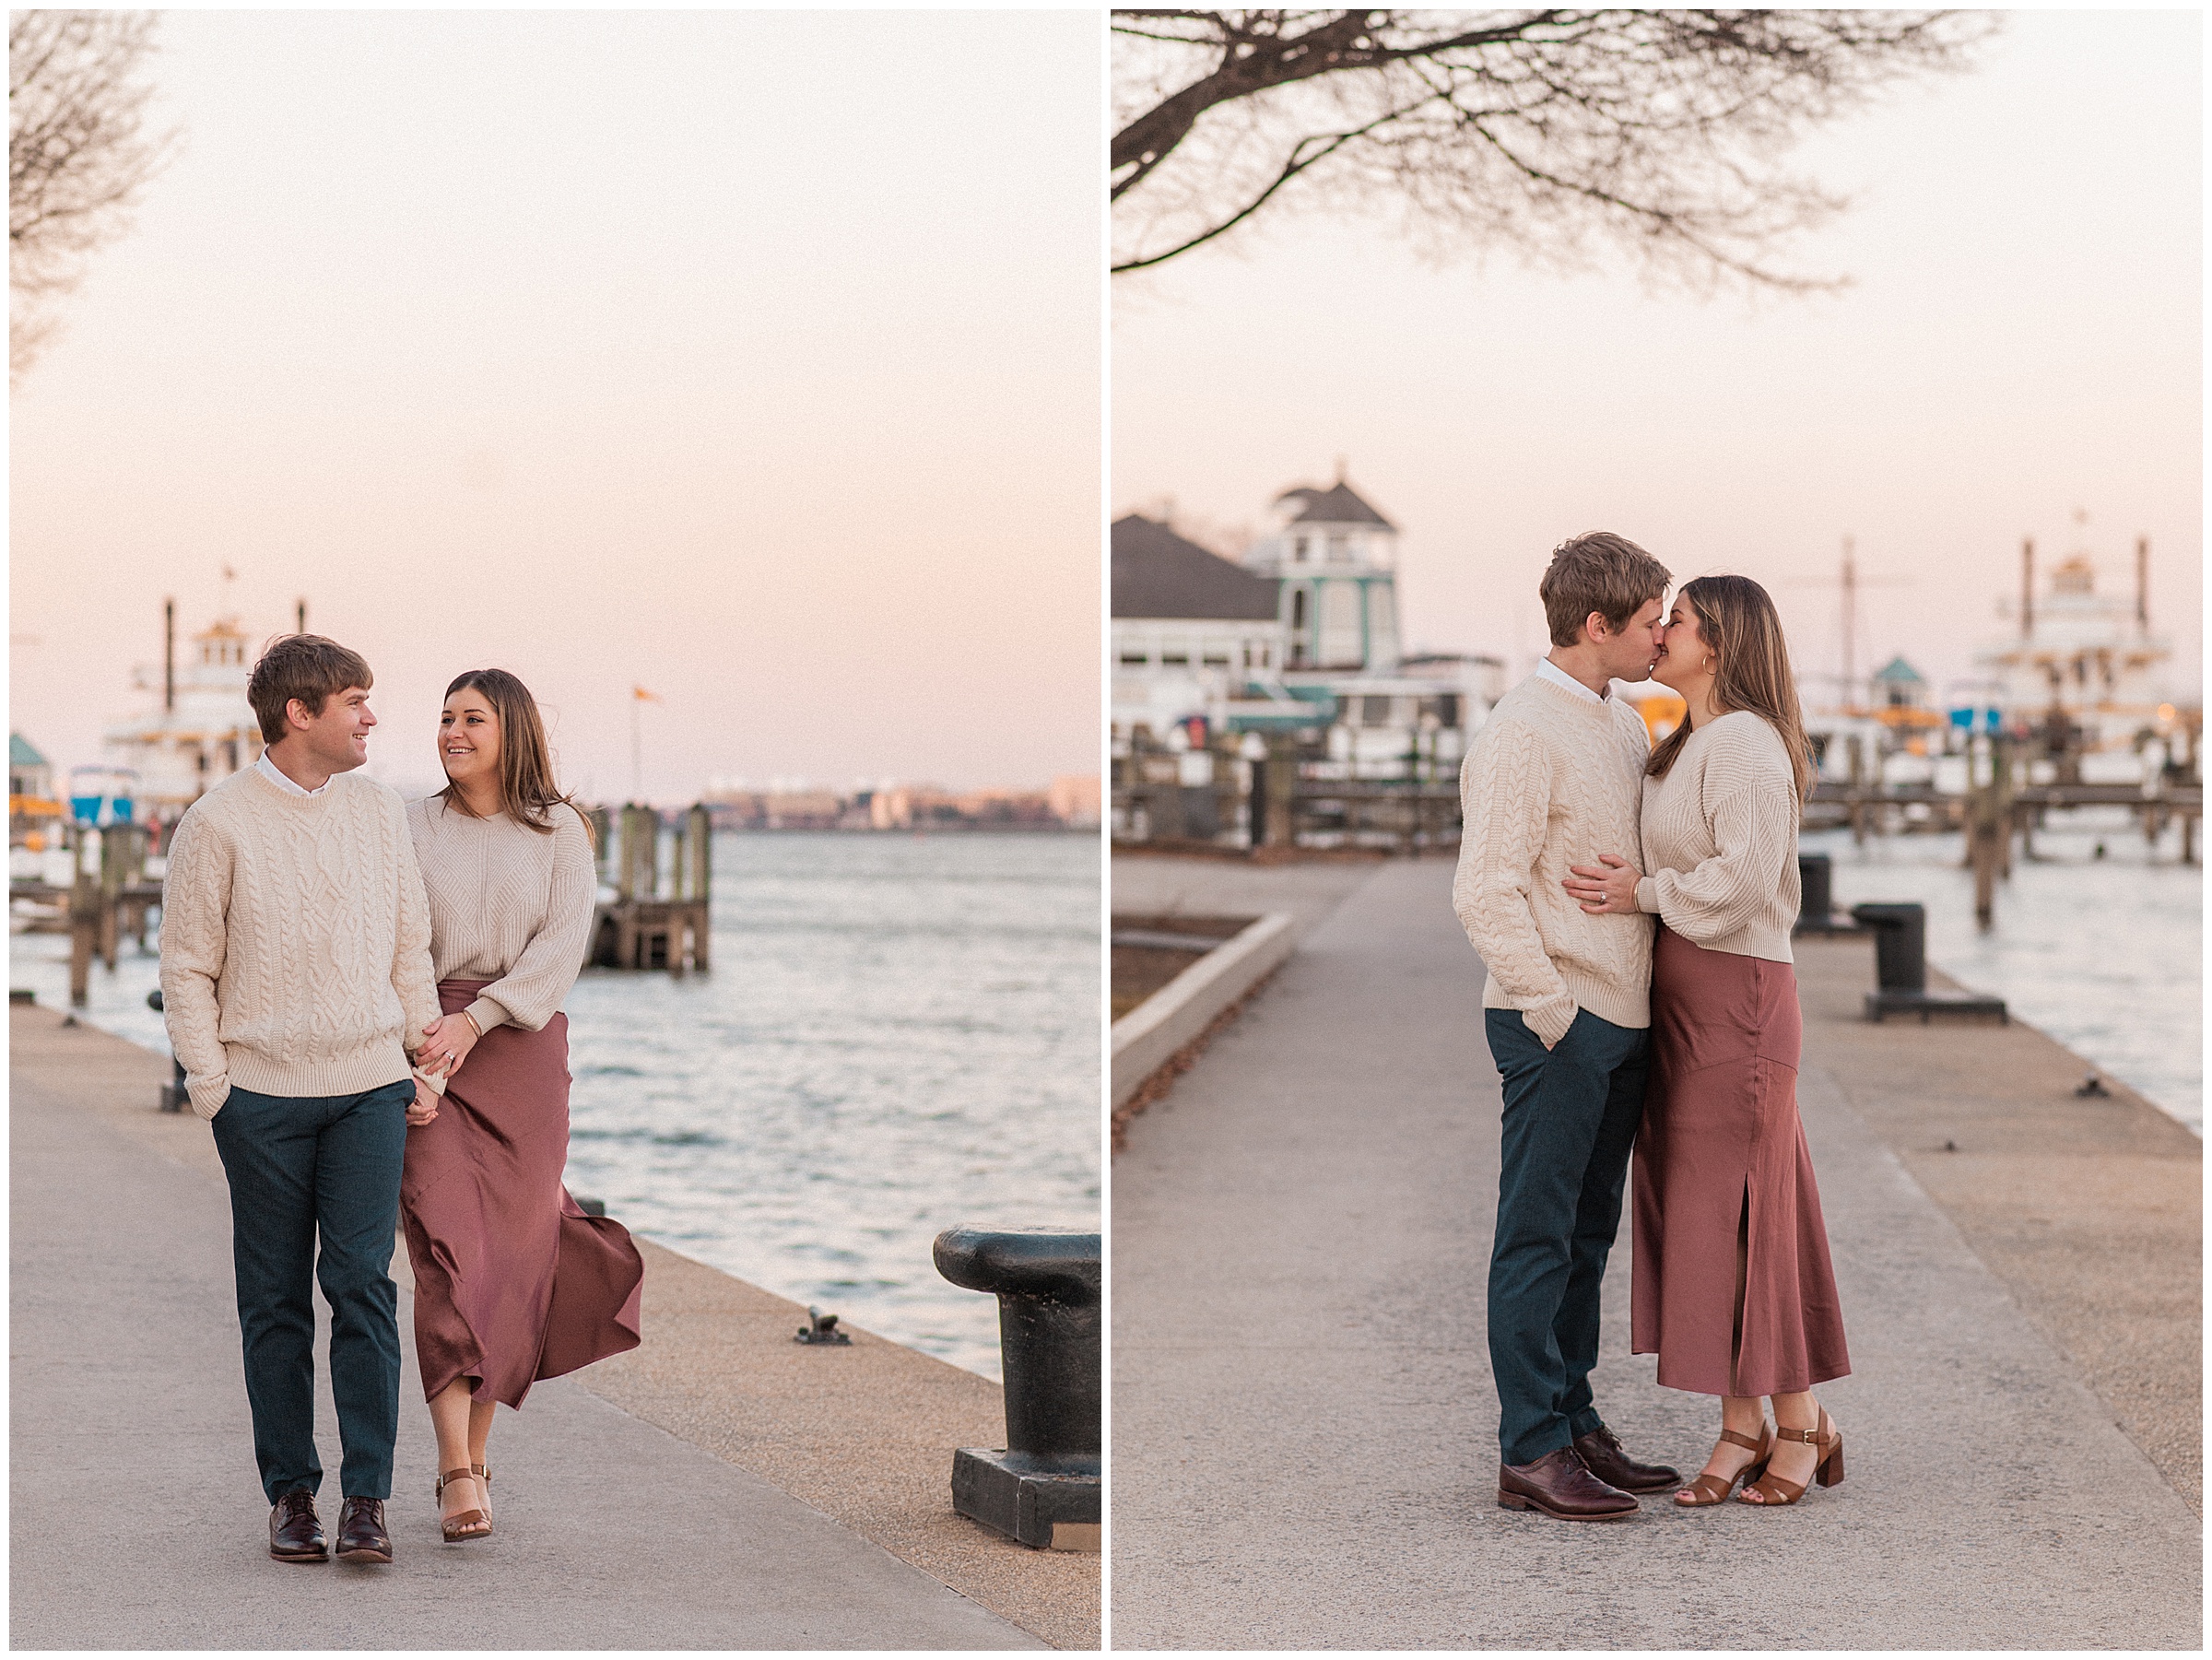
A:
(472, 1023)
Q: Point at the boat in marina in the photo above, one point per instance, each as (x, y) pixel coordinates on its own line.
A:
(203, 730)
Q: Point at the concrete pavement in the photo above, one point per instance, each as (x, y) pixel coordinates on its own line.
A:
(136, 1521)
(1304, 1428)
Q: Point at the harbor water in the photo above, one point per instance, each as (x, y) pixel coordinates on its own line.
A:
(899, 1034)
(2103, 951)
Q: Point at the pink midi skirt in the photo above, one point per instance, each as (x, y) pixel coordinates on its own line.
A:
(1721, 1155)
(512, 1281)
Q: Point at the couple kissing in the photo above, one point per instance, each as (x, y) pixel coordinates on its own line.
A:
(1632, 906)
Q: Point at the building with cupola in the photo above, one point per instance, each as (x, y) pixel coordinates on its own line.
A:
(1335, 556)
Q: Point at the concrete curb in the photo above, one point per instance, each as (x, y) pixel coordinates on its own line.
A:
(1179, 1011)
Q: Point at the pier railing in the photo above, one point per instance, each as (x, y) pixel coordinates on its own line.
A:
(1236, 794)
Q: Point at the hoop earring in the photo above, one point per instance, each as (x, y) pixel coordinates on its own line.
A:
(1707, 663)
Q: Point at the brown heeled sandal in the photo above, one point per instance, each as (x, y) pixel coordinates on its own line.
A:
(482, 1472)
(464, 1525)
(1713, 1489)
(1774, 1489)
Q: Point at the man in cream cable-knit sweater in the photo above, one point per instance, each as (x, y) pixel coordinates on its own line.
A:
(1555, 778)
(296, 981)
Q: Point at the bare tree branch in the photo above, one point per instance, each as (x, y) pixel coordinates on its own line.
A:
(1544, 131)
(76, 156)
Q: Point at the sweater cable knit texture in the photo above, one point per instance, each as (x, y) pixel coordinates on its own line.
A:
(508, 904)
(295, 941)
(1550, 782)
(1721, 832)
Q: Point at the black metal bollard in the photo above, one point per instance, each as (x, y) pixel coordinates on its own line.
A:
(1816, 903)
(1044, 1488)
(174, 1098)
(1900, 945)
(1816, 898)
(1901, 969)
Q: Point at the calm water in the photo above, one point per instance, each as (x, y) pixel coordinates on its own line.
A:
(2106, 955)
(899, 1035)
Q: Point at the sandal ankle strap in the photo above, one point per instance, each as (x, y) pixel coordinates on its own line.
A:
(1742, 1441)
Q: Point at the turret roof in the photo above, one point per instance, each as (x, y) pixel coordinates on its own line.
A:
(21, 754)
(1899, 670)
(1339, 504)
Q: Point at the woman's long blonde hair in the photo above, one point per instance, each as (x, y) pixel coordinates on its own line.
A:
(1740, 627)
(527, 791)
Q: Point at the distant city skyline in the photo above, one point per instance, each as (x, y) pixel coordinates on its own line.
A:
(2021, 340)
(611, 348)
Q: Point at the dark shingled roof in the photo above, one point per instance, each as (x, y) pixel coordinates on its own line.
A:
(1157, 573)
(1336, 505)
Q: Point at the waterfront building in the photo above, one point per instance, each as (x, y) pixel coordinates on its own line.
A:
(1192, 634)
(2082, 663)
(205, 729)
(1075, 800)
(1335, 560)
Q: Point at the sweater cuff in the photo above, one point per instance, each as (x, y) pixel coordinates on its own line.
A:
(208, 1094)
(1647, 894)
(1550, 1018)
(437, 1083)
(486, 1014)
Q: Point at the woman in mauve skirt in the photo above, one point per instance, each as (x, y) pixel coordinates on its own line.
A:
(1732, 1288)
(512, 1281)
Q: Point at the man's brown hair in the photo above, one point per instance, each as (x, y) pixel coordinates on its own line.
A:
(306, 666)
(1602, 573)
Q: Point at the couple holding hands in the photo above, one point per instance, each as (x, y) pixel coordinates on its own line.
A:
(1633, 907)
(365, 997)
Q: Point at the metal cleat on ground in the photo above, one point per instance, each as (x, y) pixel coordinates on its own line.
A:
(821, 1328)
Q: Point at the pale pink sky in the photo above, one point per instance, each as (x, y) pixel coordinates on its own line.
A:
(751, 356)
(2024, 340)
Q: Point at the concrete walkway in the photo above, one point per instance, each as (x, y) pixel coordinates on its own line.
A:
(1304, 1427)
(137, 1521)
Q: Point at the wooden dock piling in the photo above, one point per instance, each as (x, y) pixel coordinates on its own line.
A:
(643, 926)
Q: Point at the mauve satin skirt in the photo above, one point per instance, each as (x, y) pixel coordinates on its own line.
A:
(1722, 1148)
(512, 1281)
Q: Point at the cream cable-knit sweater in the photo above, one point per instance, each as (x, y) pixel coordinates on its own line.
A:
(1552, 780)
(1721, 832)
(295, 941)
(508, 904)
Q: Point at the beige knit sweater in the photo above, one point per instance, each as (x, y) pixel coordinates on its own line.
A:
(1721, 832)
(1552, 780)
(508, 904)
(295, 942)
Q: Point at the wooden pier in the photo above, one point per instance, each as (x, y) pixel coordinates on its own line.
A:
(108, 899)
(657, 920)
(1285, 800)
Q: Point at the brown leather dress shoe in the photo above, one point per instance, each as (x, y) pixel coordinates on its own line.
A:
(1559, 1485)
(361, 1536)
(295, 1531)
(1601, 1452)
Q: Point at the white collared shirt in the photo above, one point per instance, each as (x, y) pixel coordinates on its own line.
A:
(275, 774)
(1549, 670)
